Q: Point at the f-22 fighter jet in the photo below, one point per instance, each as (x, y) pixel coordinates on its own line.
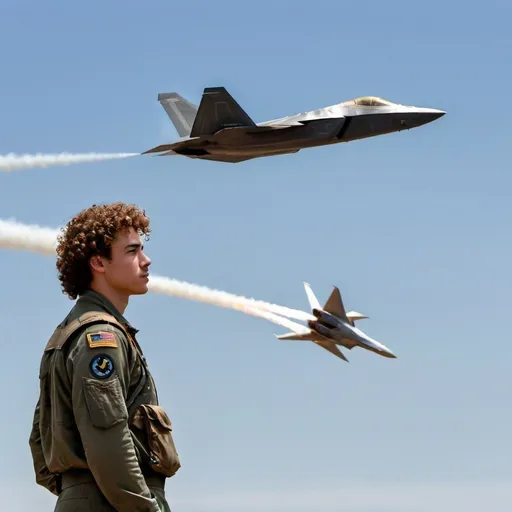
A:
(221, 130)
(333, 326)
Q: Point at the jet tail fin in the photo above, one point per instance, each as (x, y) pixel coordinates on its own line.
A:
(334, 305)
(354, 315)
(218, 110)
(181, 112)
(313, 301)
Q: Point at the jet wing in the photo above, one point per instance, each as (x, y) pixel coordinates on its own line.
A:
(332, 348)
(158, 149)
(315, 337)
(302, 333)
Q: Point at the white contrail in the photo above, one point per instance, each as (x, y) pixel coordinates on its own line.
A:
(279, 320)
(13, 162)
(27, 237)
(14, 235)
(219, 298)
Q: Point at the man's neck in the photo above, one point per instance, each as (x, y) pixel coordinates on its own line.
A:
(119, 301)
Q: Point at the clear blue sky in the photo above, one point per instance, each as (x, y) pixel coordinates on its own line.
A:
(413, 227)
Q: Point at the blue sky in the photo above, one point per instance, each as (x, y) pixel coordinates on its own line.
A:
(413, 227)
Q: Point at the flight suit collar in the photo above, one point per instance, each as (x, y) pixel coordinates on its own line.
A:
(100, 301)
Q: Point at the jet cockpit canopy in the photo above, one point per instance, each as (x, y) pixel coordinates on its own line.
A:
(369, 101)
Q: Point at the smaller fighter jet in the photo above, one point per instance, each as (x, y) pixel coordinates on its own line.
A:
(333, 326)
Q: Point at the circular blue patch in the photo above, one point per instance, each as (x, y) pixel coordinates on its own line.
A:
(102, 366)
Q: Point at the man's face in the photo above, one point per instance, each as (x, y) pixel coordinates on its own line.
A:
(128, 269)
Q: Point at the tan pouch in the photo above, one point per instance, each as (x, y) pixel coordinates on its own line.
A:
(158, 428)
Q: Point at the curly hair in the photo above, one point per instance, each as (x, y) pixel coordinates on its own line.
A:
(91, 233)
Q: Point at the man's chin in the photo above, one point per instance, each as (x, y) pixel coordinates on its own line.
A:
(140, 290)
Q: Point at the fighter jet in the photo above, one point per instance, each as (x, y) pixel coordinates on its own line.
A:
(221, 130)
(333, 326)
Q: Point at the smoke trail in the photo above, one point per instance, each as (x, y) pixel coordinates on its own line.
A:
(279, 320)
(14, 235)
(13, 162)
(219, 298)
(27, 237)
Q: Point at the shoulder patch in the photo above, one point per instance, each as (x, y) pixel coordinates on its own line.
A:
(101, 339)
(101, 366)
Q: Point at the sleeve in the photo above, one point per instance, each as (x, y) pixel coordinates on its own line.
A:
(99, 370)
(43, 475)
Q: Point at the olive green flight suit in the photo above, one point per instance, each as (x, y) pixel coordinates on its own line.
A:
(99, 441)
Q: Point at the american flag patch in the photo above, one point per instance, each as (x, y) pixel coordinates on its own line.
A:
(101, 339)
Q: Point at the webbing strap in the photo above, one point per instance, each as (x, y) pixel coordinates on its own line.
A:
(61, 334)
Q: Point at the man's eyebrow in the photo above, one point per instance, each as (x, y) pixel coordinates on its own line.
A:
(129, 246)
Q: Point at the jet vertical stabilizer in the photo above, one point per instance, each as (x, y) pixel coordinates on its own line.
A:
(181, 112)
(313, 301)
(334, 305)
(218, 110)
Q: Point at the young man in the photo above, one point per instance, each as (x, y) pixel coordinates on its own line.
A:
(99, 439)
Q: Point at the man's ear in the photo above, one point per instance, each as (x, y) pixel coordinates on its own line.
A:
(96, 264)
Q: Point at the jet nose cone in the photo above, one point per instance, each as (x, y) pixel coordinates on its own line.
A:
(436, 114)
(384, 351)
(430, 114)
(419, 117)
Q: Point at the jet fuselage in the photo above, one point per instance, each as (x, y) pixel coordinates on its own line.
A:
(349, 337)
(269, 139)
(344, 334)
(224, 132)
